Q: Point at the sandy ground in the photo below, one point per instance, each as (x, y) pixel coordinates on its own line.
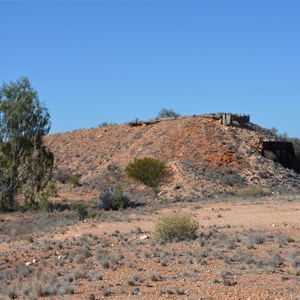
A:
(246, 249)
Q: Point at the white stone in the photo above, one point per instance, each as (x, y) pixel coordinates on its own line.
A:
(144, 237)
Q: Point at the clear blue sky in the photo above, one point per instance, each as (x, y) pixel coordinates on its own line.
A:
(114, 61)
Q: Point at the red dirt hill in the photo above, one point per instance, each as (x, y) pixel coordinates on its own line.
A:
(204, 158)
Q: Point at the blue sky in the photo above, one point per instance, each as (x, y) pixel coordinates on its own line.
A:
(114, 61)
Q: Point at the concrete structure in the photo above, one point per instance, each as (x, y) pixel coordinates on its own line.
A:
(228, 119)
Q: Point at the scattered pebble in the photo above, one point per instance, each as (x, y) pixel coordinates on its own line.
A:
(144, 237)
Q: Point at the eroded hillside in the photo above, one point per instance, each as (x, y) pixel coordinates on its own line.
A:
(204, 158)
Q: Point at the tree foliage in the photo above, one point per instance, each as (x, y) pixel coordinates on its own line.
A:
(25, 163)
(167, 113)
(284, 136)
(295, 141)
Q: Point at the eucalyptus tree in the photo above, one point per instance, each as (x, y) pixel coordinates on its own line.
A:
(25, 163)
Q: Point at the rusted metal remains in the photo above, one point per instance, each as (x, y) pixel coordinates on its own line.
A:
(281, 152)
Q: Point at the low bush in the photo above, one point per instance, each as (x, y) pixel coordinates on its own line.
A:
(167, 113)
(62, 175)
(232, 178)
(286, 138)
(146, 170)
(176, 227)
(114, 198)
(249, 191)
(105, 124)
(74, 180)
(80, 210)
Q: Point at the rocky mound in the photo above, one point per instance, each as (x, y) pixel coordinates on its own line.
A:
(204, 158)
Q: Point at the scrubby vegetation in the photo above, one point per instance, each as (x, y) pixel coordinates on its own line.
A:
(114, 198)
(80, 210)
(168, 113)
(74, 180)
(65, 176)
(296, 143)
(146, 170)
(231, 178)
(176, 227)
(62, 175)
(249, 191)
(105, 124)
(285, 137)
(55, 256)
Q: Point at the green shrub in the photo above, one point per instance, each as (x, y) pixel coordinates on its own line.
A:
(74, 180)
(113, 198)
(249, 191)
(176, 227)
(146, 170)
(64, 176)
(80, 210)
(285, 137)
